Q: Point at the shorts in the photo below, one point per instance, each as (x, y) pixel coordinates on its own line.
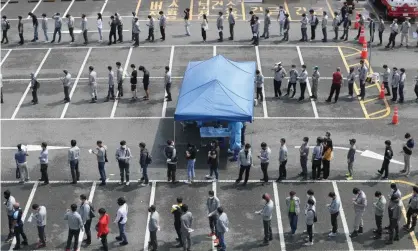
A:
(146, 86)
(133, 87)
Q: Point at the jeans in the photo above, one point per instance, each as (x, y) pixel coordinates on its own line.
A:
(73, 233)
(153, 240)
(86, 40)
(268, 234)
(19, 232)
(264, 167)
(44, 173)
(87, 230)
(334, 222)
(151, 34)
(122, 233)
(378, 219)
(190, 169)
(57, 30)
(67, 93)
(324, 33)
(326, 166)
(304, 165)
(35, 32)
(231, 31)
(124, 171)
(102, 172)
(401, 97)
(162, 31)
(145, 174)
(302, 90)
(281, 24)
(100, 33)
(41, 234)
(171, 172)
(111, 92)
(103, 239)
(212, 223)
(186, 26)
(277, 86)
(316, 168)
(75, 173)
(221, 238)
(71, 31)
(241, 172)
(282, 170)
(304, 34)
(309, 230)
(46, 35)
(293, 220)
(291, 85)
(214, 169)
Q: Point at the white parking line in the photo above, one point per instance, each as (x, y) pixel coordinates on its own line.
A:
(90, 199)
(25, 212)
(34, 8)
(257, 53)
(75, 83)
(68, 8)
(4, 5)
(151, 202)
(308, 86)
(214, 50)
(279, 217)
(54, 79)
(28, 88)
(170, 64)
(104, 6)
(115, 104)
(5, 57)
(343, 219)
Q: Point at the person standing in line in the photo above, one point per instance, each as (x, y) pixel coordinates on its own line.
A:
(66, 82)
(44, 25)
(245, 161)
(99, 23)
(134, 81)
(136, 31)
(286, 26)
(214, 151)
(326, 159)
(281, 19)
(310, 194)
(121, 219)
(170, 153)
(204, 26)
(265, 160)
(293, 78)
(279, 75)
(267, 23)
(93, 84)
(85, 210)
(346, 26)
(231, 21)
(282, 160)
(101, 161)
(222, 226)
(103, 228)
(212, 204)
(120, 76)
(324, 23)
(167, 83)
(395, 84)
(186, 227)
(334, 210)
(35, 25)
(18, 226)
(394, 190)
(402, 79)
(394, 213)
(293, 209)
(381, 29)
(43, 159)
(34, 85)
(360, 204)
(73, 161)
(315, 82)
(10, 201)
(385, 78)
(191, 160)
(350, 159)
(361, 22)
(372, 28)
(20, 30)
(256, 31)
(186, 21)
(259, 83)
(145, 81)
(386, 161)
(335, 25)
(144, 161)
(113, 27)
(303, 79)
(133, 21)
(362, 78)
(84, 28)
(150, 25)
(337, 81)
(411, 213)
(304, 153)
(407, 152)
(252, 22)
(163, 24)
(313, 21)
(153, 226)
(177, 212)
(39, 215)
(111, 83)
(70, 23)
(57, 29)
(405, 27)
(22, 164)
(1, 87)
(123, 156)
(394, 30)
(119, 23)
(304, 27)
(75, 225)
(415, 88)
(266, 213)
(350, 82)
(379, 209)
(317, 158)
(310, 221)
(220, 26)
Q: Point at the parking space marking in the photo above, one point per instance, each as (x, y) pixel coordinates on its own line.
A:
(214, 50)
(308, 86)
(343, 219)
(257, 53)
(25, 212)
(90, 199)
(373, 85)
(75, 83)
(412, 233)
(115, 104)
(352, 54)
(286, 7)
(137, 7)
(5, 57)
(4, 5)
(151, 202)
(370, 100)
(28, 88)
(330, 9)
(104, 6)
(191, 11)
(170, 65)
(34, 8)
(68, 8)
(279, 217)
(243, 10)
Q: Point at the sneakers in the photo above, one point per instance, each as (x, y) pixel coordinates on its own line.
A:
(127, 183)
(354, 234)
(332, 234)
(308, 243)
(211, 234)
(120, 183)
(349, 178)
(208, 177)
(144, 185)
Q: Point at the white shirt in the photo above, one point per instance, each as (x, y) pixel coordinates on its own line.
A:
(122, 213)
(99, 24)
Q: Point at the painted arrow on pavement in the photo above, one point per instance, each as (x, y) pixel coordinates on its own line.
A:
(30, 148)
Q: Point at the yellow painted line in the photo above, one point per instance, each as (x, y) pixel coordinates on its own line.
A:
(352, 65)
(407, 196)
(208, 6)
(352, 54)
(137, 7)
(191, 10)
(373, 85)
(378, 112)
(370, 100)
(404, 182)
(412, 233)
(243, 10)
(330, 9)
(287, 10)
(363, 107)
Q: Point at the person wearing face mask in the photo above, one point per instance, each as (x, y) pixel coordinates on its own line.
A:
(293, 77)
(222, 226)
(212, 205)
(304, 153)
(266, 213)
(39, 215)
(245, 160)
(121, 219)
(282, 160)
(213, 160)
(394, 213)
(279, 74)
(123, 155)
(379, 209)
(153, 226)
(18, 226)
(310, 221)
(10, 201)
(264, 158)
(43, 159)
(386, 161)
(293, 209)
(303, 78)
(171, 156)
(393, 191)
(411, 214)
(334, 210)
(407, 152)
(360, 204)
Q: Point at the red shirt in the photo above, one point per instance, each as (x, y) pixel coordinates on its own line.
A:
(337, 78)
(103, 225)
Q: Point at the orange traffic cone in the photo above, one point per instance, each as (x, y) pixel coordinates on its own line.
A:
(356, 23)
(395, 118)
(362, 38)
(364, 53)
(382, 92)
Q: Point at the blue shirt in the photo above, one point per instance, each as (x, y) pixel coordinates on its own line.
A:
(20, 157)
(317, 152)
(43, 158)
(410, 143)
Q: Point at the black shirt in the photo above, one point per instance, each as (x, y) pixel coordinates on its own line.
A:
(34, 20)
(145, 80)
(388, 153)
(187, 15)
(113, 25)
(134, 75)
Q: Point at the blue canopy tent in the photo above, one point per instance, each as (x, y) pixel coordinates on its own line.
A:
(217, 89)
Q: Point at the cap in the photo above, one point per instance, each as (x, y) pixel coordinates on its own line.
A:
(316, 68)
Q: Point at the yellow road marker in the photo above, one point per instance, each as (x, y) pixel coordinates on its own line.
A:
(330, 9)
(243, 10)
(137, 7)
(373, 85)
(378, 112)
(352, 65)
(407, 196)
(370, 100)
(352, 54)
(287, 10)
(191, 10)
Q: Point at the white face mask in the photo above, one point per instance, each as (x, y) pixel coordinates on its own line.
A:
(210, 197)
(393, 190)
(307, 195)
(123, 147)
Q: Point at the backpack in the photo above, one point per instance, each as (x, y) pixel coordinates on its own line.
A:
(37, 84)
(316, 21)
(91, 213)
(315, 218)
(7, 25)
(148, 159)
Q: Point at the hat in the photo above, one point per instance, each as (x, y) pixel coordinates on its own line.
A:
(316, 68)
(279, 63)
(353, 140)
